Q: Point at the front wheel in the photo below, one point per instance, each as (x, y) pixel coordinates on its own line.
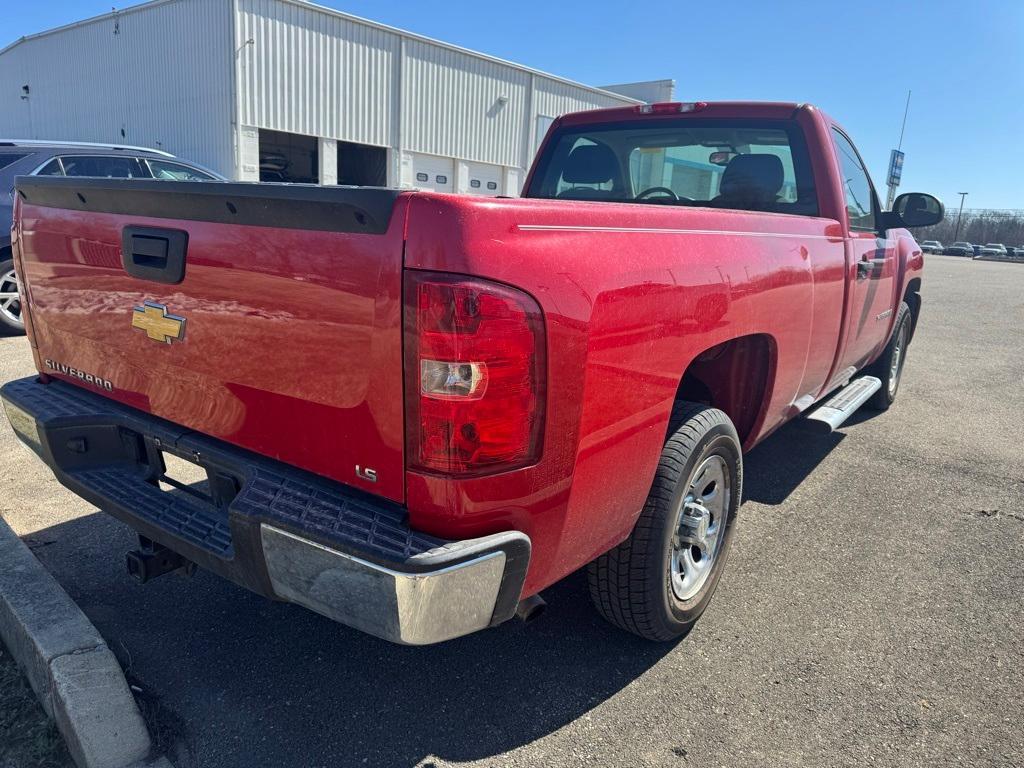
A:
(659, 581)
(889, 366)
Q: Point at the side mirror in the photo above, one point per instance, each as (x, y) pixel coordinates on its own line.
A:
(916, 209)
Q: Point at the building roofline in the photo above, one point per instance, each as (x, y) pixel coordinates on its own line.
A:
(83, 22)
(348, 17)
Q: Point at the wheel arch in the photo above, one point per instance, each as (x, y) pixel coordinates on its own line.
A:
(912, 295)
(735, 376)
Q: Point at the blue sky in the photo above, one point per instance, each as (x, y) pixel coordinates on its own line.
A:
(964, 62)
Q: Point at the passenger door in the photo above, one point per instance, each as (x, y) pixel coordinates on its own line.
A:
(871, 263)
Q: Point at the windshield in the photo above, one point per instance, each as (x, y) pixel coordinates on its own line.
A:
(758, 166)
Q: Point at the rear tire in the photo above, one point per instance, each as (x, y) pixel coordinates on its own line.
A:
(659, 581)
(889, 365)
(10, 304)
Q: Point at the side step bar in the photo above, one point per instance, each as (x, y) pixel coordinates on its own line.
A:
(842, 405)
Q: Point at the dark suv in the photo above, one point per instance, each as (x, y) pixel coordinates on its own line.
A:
(42, 158)
(960, 248)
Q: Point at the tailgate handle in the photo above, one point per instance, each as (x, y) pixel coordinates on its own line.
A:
(152, 253)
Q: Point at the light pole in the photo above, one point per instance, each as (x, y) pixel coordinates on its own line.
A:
(892, 187)
(962, 196)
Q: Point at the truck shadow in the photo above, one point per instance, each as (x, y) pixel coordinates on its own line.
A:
(777, 467)
(262, 683)
(273, 684)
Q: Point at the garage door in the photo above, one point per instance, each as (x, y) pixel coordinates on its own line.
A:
(430, 172)
(484, 179)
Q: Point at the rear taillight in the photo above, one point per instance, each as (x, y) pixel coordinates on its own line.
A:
(474, 360)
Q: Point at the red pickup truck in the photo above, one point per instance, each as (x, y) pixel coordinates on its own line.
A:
(413, 412)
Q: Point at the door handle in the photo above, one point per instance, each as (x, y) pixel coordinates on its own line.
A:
(867, 267)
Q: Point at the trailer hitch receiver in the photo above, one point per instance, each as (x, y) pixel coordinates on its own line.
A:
(151, 560)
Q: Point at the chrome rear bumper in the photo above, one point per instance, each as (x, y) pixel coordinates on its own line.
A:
(278, 531)
(400, 606)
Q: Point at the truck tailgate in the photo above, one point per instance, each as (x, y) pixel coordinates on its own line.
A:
(283, 334)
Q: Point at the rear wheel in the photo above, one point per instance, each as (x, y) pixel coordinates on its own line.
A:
(10, 302)
(889, 366)
(659, 581)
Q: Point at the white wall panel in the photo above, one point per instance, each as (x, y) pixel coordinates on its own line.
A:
(459, 105)
(328, 155)
(315, 73)
(249, 154)
(553, 98)
(160, 73)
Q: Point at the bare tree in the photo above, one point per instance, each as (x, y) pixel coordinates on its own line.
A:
(978, 226)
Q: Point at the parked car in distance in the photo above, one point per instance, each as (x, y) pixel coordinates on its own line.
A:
(931, 246)
(45, 158)
(415, 411)
(960, 249)
(993, 249)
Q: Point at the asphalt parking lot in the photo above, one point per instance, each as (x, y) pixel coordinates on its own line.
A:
(872, 611)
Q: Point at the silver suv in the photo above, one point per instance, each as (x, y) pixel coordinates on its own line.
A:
(48, 158)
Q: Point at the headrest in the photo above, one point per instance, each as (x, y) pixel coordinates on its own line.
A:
(591, 164)
(752, 176)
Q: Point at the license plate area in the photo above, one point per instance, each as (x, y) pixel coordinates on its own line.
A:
(201, 478)
(178, 474)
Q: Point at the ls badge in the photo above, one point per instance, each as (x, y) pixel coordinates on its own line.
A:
(153, 319)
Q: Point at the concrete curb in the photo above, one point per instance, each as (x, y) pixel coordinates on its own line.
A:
(68, 664)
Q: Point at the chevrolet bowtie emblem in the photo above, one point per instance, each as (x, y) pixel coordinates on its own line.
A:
(158, 325)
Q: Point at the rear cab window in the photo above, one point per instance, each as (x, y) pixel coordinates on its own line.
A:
(722, 163)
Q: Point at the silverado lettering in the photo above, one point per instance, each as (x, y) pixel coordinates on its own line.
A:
(81, 375)
(566, 380)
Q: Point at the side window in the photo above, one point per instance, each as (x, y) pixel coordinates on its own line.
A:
(857, 187)
(10, 158)
(176, 171)
(102, 167)
(52, 168)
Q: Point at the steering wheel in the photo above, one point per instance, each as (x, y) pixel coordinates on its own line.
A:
(657, 190)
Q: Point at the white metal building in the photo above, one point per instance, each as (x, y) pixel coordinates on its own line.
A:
(287, 90)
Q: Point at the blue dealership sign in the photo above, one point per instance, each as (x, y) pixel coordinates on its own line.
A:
(895, 168)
